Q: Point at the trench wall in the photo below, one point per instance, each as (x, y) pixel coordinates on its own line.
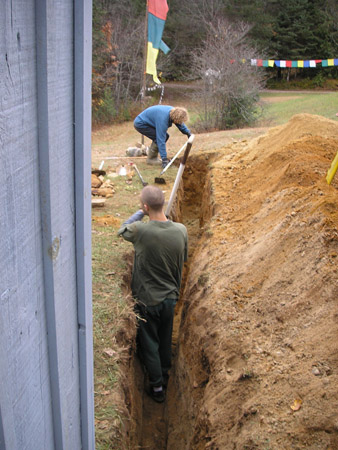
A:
(194, 207)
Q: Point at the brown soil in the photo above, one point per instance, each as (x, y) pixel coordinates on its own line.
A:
(259, 311)
(255, 340)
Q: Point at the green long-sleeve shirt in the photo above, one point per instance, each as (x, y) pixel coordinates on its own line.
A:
(160, 251)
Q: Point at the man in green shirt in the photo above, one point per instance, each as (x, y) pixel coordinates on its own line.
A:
(161, 248)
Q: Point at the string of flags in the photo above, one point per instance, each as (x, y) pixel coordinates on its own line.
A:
(153, 88)
(293, 64)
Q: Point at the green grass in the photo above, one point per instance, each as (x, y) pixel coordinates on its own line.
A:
(280, 111)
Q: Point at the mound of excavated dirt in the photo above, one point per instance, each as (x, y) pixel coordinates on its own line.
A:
(257, 351)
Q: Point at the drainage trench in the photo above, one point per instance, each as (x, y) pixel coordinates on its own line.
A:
(155, 425)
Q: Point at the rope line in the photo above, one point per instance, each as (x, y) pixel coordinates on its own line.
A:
(153, 88)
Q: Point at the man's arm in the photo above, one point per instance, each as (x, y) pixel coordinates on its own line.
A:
(134, 217)
(127, 232)
(183, 129)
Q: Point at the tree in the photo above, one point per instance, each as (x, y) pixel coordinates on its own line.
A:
(259, 14)
(230, 85)
(302, 31)
(118, 46)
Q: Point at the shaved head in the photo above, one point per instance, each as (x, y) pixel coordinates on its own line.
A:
(153, 197)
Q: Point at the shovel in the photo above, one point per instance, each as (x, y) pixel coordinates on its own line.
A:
(160, 180)
(179, 175)
(144, 183)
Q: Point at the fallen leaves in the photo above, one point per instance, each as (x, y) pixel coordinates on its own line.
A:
(110, 352)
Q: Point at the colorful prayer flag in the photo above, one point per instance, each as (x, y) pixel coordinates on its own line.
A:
(287, 63)
(157, 15)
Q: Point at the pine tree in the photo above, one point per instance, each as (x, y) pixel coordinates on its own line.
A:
(301, 31)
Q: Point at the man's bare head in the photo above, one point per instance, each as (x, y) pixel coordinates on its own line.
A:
(153, 197)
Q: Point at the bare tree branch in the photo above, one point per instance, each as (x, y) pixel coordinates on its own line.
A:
(230, 84)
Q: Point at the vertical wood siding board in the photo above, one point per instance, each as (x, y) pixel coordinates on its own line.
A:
(82, 86)
(61, 119)
(7, 440)
(23, 334)
(7, 422)
(2, 435)
(47, 237)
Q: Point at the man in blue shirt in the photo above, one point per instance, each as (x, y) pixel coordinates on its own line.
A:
(154, 122)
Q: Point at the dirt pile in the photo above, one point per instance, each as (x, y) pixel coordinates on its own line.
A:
(257, 355)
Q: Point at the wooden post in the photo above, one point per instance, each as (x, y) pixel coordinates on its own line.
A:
(82, 158)
(145, 55)
(145, 61)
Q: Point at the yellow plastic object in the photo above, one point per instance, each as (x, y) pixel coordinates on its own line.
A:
(332, 170)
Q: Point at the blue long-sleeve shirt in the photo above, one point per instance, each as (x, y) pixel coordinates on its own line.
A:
(158, 117)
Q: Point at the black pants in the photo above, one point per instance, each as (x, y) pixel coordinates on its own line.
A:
(154, 339)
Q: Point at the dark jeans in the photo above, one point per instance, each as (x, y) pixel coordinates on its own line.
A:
(148, 131)
(154, 339)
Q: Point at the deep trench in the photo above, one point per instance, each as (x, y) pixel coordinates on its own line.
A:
(153, 421)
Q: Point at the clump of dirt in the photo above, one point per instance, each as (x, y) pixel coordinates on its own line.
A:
(257, 351)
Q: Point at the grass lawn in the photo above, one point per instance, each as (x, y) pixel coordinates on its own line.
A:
(279, 107)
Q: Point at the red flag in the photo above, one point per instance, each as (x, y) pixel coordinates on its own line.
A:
(159, 8)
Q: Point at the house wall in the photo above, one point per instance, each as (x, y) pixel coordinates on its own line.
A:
(45, 286)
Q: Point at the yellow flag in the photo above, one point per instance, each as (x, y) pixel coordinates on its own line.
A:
(332, 170)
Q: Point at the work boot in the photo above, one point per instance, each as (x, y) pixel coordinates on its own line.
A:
(159, 396)
(165, 162)
(152, 155)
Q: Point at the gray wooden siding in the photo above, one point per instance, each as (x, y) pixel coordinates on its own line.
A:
(45, 282)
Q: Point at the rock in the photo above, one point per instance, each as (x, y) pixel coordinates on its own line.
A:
(95, 182)
(103, 192)
(315, 371)
(134, 151)
(98, 202)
